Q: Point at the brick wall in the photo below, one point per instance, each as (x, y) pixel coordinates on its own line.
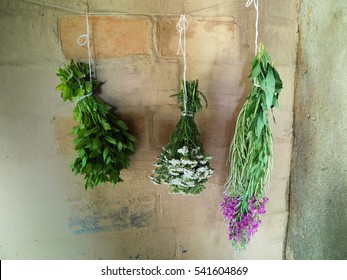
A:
(134, 47)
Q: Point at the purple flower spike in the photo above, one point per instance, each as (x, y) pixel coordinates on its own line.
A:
(242, 225)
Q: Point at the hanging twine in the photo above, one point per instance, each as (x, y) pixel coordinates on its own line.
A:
(256, 6)
(86, 41)
(181, 27)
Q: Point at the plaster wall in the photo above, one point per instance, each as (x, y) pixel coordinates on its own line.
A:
(45, 213)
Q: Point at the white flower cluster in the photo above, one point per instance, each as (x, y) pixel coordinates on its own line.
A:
(188, 171)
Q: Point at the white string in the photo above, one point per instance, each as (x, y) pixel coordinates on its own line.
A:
(256, 6)
(75, 11)
(181, 27)
(86, 38)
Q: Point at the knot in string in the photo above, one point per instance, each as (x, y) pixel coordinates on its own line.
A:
(83, 40)
(256, 6)
(181, 27)
(82, 43)
(249, 2)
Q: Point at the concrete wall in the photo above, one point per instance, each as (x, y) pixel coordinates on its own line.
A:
(318, 213)
(45, 213)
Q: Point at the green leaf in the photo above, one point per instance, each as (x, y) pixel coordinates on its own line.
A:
(96, 144)
(270, 80)
(60, 72)
(254, 62)
(250, 109)
(80, 91)
(279, 84)
(119, 146)
(77, 115)
(268, 86)
(95, 84)
(67, 93)
(70, 76)
(275, 103)
(88, 86)
(84, 161)
(131, 138)
(105, 125)
(105, 153)
(76, 170)
(60, 87)
(121, 124)
(89, 169)
(256, 71)
(110, 140)
(81, 152)
(131, 147)
(259, 127)
(74, 130)
(108, 160)
(92, 131)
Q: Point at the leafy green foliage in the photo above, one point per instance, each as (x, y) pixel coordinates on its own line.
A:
(183, 165)
(103, 142)
(251, 148)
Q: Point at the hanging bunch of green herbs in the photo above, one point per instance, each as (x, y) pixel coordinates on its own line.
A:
(103, 142)
(250, 153)
(183, 165)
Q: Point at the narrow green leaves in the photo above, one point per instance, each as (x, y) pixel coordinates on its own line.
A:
(194, 97)
(251, 147)
(103, 142)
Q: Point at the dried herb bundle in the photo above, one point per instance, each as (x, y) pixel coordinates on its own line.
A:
(250, 153)
(183, 165)
(103, 142)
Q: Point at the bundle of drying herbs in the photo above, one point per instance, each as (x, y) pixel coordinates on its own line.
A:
(183, 165)
(250, 153)
(103, 142)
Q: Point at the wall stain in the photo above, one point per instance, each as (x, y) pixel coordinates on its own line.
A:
(110, 220)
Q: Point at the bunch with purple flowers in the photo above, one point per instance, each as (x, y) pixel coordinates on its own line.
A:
(242, 225)
(251, 152)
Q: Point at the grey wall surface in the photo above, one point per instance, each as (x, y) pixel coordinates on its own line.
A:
(318, 194)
